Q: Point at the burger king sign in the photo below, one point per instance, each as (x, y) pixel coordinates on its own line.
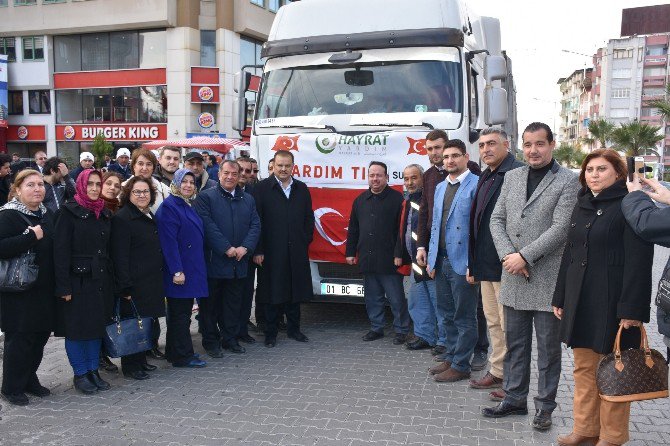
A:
(68, 132)
(22, 132)
(206, 120)
(205, 94)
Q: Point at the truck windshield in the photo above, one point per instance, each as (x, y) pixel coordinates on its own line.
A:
(360, 88)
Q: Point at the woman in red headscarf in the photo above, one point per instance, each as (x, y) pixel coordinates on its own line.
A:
(84, 280)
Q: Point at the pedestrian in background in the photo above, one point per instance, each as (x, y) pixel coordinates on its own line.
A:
(529, 227)
(372, 237)
(121, 166)
(604, 282)
(111, 188)
(5, 177)
(232, 228)
(168, 163)
(195, 162)
(58, 183)
(84, 279)
(27, 317)
(138, 264)
(184, 272)
(287, 226)
(86, 161)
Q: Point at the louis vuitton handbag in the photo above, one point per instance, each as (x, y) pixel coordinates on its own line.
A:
(632, 375)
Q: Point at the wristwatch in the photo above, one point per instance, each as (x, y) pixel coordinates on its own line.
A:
(178, 274)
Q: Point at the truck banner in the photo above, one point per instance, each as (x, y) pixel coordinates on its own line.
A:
(334, 167)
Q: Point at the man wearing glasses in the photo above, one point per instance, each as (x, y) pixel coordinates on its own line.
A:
(448, 264)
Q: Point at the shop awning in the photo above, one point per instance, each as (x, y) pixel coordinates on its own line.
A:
(221, 145)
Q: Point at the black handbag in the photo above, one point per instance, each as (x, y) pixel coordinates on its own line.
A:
(19, 273)
(127, 336)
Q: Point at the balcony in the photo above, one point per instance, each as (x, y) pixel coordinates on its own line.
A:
(652, 120)
(654, 81)
(655, 61)
(647, 98)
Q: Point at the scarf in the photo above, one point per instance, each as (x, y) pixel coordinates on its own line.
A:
(111, 203)
(95, 206)
(176, 184)
(16, 205)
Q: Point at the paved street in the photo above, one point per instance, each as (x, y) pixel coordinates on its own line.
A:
(335, 390)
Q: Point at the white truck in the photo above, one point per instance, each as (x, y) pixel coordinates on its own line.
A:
(346, 82)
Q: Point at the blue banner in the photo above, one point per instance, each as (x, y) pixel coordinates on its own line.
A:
(4, 100)
(205, 134)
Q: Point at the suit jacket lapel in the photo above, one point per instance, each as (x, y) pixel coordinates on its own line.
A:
(459, 192)
(546, 181)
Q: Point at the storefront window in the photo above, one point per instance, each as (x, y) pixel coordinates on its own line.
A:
(39, 102)
(94, 52)
(68, 151)
(15, 102)
(33, 48)
(69, 107)
(125, 104)
(97, 105)
(154, 104)
(67, 53)
(124, 51)
(152, 49)
(208, 48)
(8, 48)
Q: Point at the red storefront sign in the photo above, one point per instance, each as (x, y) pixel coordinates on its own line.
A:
(205, 85)
(111, 132)
(106, 79)
(22, 133)
(206, 94)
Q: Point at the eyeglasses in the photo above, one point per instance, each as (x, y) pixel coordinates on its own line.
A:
(255, 170)
(42, 158)
(453, 156)
(246, 170)
(139, 193)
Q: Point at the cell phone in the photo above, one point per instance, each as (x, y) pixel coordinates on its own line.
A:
(635, 165)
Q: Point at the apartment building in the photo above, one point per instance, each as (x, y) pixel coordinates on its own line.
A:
(80, 67)
(576, 106)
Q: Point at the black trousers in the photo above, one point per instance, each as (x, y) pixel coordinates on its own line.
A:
(155, 332)
(220, 312)
(274, 312)
(247, 299)
(21, 358)
(482, 330)
(178, 343)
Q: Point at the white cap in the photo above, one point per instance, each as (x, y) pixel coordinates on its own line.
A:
(86, 156)
(123, 152)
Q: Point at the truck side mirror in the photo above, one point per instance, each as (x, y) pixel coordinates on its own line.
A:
(495, 106)
(239, 113)
(495, 69)
(241, 82)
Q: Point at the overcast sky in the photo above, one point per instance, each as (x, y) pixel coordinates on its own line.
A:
(534, 33)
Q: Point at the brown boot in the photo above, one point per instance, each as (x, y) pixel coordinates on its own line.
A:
(451, 376)
(576, 440)
(602, 442)
(443, 367)
(487, 382)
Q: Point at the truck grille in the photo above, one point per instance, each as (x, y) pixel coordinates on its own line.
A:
(329, 270)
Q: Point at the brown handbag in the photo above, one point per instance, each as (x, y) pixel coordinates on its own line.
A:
(632, 375)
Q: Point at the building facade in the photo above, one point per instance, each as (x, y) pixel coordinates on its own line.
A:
(576, 106)
(133, 71)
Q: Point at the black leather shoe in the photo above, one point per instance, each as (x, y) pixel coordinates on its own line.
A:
(107, 365)
(270, 342)
(84, 384)
(17, 399)
(38, 390)
(479, 361)
(235, 347)
(148, 367)
(503, 409)
(247, 339)
(373, 335)
(100, 383)
(438, 350)
(299, 336)
(542, 420)
(215, 352)
(418, 344)
(399, 339)
(155, 353)
(137, 374)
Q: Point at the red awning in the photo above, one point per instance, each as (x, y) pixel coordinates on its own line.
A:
(221, 145)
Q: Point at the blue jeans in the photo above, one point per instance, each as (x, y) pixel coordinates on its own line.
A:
(390, 285)
(457, 309)
(84, 356)
(421, 309)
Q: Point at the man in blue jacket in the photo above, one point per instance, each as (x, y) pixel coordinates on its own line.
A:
(448, 263)
(232, 230)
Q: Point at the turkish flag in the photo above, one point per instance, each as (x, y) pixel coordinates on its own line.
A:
(416, 146)
(286, 143)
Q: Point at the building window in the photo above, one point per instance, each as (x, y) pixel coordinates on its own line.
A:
(621, 93)
(8, 48)
(623, 53)
(67, 53)
(98, 105)
(46, 2)
(154, 103)
(69, 107)
(123, 50)
(152, 49)
(653, 71)
(24, 2)
(208, 48)
(619, 113)
(648, 111)
(250, 52)
(3, 3)
(656, 51)
(621, 73)
(33, 48)
(260, 3)
(126, 104)
(273, 5)
(15, 102)
(39, 102)
(95, 52)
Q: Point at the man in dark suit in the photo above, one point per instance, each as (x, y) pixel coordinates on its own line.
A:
(287, 227)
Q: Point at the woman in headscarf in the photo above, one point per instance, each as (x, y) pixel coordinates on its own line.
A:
(184, 276)
(84, 279)
(138, 263)
(27, 316)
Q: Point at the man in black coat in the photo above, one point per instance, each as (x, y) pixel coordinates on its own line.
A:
(373, 235)
(484, 264)
(5, 175)
(284, 206)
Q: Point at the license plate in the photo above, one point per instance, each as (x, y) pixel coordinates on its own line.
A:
(343, 289)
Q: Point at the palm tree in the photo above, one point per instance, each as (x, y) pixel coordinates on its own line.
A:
(634, 138)
(663, 105)
(569, 156)
(600, 131)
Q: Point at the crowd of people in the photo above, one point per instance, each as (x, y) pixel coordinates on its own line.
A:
(490, 255)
